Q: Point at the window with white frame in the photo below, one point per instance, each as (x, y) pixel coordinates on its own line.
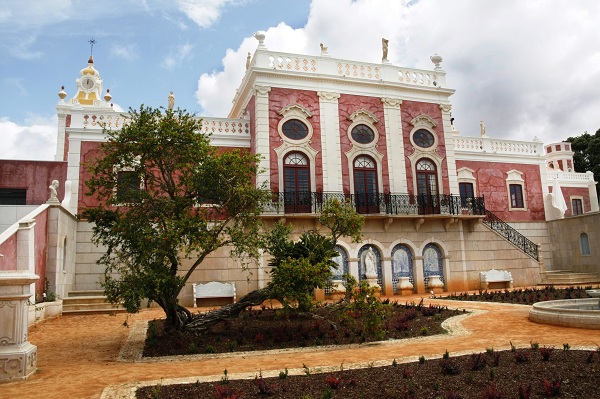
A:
(517, 199)
(577, 205)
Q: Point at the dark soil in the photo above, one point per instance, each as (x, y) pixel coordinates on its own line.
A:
(527, 296)
(490, 375)
(263, 329)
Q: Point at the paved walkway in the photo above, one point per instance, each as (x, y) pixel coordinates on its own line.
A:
(78, 355)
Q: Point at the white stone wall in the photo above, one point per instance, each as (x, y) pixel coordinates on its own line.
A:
(60, 257)
(88, 274)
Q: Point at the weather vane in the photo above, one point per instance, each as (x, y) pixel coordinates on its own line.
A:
(92, 41)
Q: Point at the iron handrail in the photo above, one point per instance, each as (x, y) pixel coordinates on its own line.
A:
(511, 235)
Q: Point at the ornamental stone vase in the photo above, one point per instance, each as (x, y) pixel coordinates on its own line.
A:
(435, 284)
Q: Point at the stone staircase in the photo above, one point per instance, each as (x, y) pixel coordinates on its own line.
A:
(88, 302)
(568, 277)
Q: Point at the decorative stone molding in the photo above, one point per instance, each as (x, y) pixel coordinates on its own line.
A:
(262, 90)
(301, 113)
(328, 95)
(363, 113)
(285, 110)
(446, 108)
(466, 175)
(391, 102)
(423, 121)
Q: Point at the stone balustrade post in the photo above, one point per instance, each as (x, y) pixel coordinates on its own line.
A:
(18, 357)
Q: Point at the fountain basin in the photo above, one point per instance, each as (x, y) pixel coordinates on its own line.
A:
(579, 313)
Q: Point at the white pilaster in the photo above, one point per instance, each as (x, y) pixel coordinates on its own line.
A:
(395, 144)
(261, 132)
(60, 141)
(330, 141)
(26, 251)
(450, 157)
(73, 172)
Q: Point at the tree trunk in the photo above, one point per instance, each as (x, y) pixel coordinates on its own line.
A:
(177, 316)
(203, 321)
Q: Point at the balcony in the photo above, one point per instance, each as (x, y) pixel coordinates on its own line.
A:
(376, 204)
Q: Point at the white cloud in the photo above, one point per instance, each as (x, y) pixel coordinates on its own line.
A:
(125, 51)
(182, 53)
(203, 12)
(526, 68)
(35, 140)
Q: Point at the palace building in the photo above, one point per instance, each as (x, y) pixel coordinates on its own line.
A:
(440, 207)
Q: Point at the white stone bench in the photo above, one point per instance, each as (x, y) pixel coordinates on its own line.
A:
(496, 276)
(214, 289)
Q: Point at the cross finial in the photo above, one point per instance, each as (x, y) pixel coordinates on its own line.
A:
(92, 41)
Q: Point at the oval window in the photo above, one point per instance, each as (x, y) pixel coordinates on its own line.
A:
(294, 129)
(423, 138)
(362, 134)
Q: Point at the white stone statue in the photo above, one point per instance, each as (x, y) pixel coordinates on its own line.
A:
(384, 49)
(171, 101)
(482, 128)
(53, 191)
(323, 49)
(248, 61)
(370, 263)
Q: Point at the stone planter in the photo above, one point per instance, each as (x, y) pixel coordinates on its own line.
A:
(405, 287)
(435, 284)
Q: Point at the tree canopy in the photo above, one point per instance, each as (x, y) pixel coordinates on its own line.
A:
(168, 197)
(587, 154)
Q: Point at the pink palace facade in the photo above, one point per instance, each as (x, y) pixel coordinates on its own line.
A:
(440, 207)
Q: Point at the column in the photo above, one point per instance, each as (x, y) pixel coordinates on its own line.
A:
(261, 132)
(386, 269)
(330, 141)
(419, 276)
(395, 144)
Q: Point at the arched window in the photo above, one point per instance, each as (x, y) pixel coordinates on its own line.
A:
(427, 187)
(362, 262)
(585, 244)
(402, 265)
(296, 183)
(432, 262)
(365, 185)
(342, 267)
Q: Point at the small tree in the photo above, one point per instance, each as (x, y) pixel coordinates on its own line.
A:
(194, 200)
(300, 267)
(587, 154)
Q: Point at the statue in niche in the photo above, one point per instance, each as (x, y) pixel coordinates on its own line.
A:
(482, 128)
(384, 49)
(171, 101)
(370, 263)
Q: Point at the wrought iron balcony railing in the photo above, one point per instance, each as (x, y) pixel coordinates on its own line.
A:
(376, 203)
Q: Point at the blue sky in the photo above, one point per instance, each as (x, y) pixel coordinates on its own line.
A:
(527, 68)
